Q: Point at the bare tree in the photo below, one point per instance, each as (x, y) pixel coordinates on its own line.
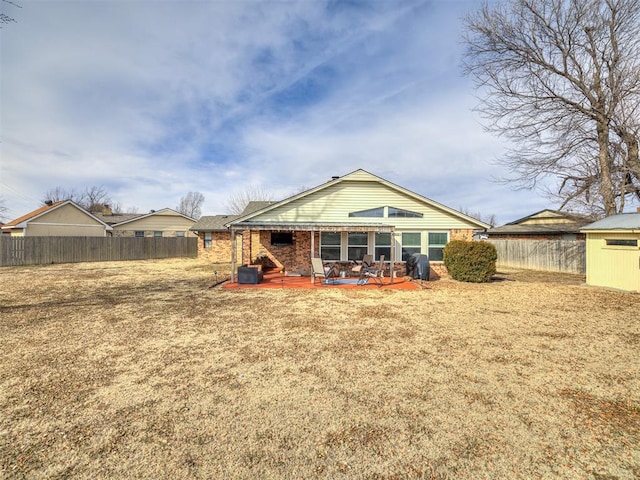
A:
(490, 219)
(58, 194)
(240, 199)
(92, 199)
(95, 198)
(561, 79)
(191, 205)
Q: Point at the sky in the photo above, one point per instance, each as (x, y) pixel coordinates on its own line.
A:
(154, 99)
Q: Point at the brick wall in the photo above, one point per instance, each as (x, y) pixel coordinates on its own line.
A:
(461, 234)
(220, 251)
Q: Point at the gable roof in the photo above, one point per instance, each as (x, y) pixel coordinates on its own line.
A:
(622, 221)
(213, 223)
(549, 222)
(114, 218)
(153, 212)
(21, 222)
(358, 175)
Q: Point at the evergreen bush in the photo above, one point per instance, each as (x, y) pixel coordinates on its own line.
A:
(470, 261)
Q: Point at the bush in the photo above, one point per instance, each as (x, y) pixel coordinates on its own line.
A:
(470, 261)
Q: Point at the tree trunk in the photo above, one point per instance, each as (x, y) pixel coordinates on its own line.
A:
(607, 189)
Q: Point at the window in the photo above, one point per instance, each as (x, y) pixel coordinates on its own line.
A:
(383, 246)
(157, 234)
(207, 239)
(281, 238)
(139, 233)
(622, 243)
(374, 212)
(180, 234)
(400, 213)
(411, 242)
(357, 245)
(330, 245)
(437, 241)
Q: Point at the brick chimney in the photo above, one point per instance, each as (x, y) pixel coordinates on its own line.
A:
(106, 210)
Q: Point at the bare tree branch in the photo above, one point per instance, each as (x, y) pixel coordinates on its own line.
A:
(561, 79)
(191, 205)
(240, 199)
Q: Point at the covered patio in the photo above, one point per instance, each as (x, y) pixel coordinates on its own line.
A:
(275, 279)
(300, 254)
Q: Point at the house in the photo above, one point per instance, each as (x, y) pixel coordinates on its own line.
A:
(157, 223)
(214, 236)
(344, 219)
(57, 219)
(543, 225)
(613, 252)
(548, 240)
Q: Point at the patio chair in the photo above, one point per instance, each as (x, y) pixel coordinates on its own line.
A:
(319, 269)
(367, 260)
(374, 272)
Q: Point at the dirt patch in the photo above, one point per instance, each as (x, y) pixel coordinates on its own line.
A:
(141, 370)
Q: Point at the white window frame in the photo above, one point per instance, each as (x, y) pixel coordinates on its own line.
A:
(419, 245)
(331, 245)
(436, 245)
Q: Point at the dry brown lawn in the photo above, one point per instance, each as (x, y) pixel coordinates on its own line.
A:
(140, 370)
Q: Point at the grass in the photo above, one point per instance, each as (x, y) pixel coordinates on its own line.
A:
(140, 370)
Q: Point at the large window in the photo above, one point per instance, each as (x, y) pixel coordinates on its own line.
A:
(383, 246)
(437, 241)
(357, 245)
(411, 242)
(400, 213)
(373, 212)
(330, 245)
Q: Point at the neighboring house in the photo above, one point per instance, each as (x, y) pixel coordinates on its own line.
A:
(613, 252)
(57, 219)
(214, 236)
(157, 223)
(346, 218)
(542, 225)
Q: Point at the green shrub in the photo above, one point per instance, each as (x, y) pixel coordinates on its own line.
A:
(470, 261)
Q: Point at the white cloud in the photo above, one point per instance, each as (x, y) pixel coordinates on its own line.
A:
(155, 99)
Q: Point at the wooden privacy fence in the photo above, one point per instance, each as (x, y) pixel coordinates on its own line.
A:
(16, 251)
(566, 256)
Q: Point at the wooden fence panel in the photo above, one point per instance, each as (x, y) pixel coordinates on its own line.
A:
(16, 251)
(565, 256)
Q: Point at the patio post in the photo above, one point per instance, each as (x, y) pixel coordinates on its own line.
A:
(234, 254)
(312, 250)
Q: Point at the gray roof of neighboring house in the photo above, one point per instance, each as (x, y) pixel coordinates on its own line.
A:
(622, 221)
(567, 223)
(555, 228)
(112, 219)
(213, 223)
